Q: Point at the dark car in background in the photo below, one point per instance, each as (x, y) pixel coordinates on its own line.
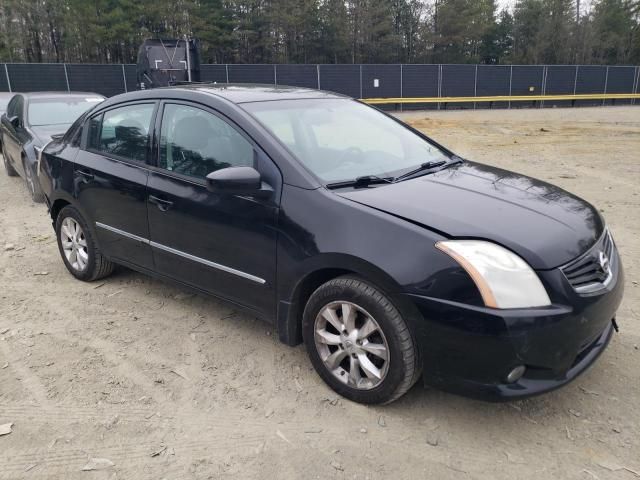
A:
(29, 123)
(387, 254)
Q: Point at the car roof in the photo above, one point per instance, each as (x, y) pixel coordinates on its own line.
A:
(242, 93)
(231, 93)
(59, 95)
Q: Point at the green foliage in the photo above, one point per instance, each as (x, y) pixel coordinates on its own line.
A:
(460, 26)
(528, 20)
(326, 31)
(614, 31)
(497, 42)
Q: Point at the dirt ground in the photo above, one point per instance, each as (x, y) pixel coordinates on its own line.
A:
(157, 383)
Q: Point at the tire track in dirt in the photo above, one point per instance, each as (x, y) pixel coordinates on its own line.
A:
(218, 445)
(28, 380)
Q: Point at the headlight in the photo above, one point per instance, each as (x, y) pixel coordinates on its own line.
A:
(504, 279)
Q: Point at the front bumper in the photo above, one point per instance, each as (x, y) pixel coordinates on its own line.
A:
(469, 350)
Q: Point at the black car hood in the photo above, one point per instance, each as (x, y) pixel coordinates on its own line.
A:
(43, 133)
(544, 224)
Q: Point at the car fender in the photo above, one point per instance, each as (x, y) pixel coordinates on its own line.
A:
(319, 269)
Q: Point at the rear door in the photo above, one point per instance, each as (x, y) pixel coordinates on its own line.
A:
(110, 177)
(221, 243)
(11, 134)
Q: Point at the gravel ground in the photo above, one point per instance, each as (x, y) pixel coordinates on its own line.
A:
(133, 378)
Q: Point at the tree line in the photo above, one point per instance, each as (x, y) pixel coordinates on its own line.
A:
(326, 31)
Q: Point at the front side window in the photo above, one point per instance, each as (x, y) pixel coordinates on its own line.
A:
(122, 131)
(340, 139)
(194, 142)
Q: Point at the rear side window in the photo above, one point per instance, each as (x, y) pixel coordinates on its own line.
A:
(122, 131)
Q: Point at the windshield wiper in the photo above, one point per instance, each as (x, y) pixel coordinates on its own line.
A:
(366, 180)
(423, 167)
(427, 166)
(359, 182)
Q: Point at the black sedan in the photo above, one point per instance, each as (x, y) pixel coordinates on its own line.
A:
(388, 255)
(30, 121)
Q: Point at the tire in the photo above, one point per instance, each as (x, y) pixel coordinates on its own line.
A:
(11, 172)
(354, 377)
(89, 267)
(33, 184)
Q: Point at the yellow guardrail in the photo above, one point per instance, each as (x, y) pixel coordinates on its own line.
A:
(506, 98)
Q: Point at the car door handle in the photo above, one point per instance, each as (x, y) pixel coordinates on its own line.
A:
(162, 204)
(85, 174)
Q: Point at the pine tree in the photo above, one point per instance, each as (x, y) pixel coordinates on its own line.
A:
(528, 17)
(335, 31)
(556, 35)
(613, 27)
(498, 40)
(459, 29)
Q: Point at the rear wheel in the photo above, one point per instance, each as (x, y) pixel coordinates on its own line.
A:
(359, 343)
(7, 166)
(33, 185)
(79, 252)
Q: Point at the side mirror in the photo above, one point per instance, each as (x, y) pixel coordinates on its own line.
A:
(238, 181)
(15, 121)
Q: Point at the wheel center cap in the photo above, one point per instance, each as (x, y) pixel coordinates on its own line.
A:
(350, 346)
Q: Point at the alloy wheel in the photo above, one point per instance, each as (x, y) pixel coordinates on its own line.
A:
(351, 345)
(74, 244)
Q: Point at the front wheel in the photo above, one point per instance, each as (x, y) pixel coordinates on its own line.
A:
(359, 343)
(78, 249)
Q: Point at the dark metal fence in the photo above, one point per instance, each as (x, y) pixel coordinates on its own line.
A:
(361, 81)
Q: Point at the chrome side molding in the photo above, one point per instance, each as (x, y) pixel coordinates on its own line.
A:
(182, 254)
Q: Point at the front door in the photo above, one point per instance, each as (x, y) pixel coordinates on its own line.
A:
(110, 178)
(222, 243)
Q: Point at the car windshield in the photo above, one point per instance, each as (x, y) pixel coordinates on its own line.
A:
(59, 111)
(341, 140)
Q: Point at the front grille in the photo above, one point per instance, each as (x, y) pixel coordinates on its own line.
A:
(593, 270)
